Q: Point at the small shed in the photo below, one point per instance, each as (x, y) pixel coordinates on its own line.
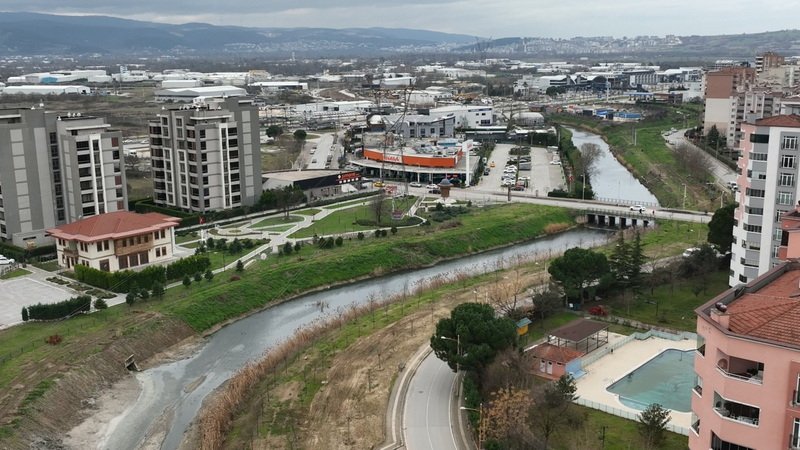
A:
(550, 361)
(522, 326)
(583, 335)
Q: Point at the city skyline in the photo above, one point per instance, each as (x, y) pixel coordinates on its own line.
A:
(507, 18)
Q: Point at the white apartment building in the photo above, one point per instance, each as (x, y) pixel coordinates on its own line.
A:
(206, 157)
(768, 187)
(56, 168)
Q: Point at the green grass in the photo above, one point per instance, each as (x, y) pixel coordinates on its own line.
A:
(186, 238)
(349, 203)
(674, 301)
(344, 220)
(307, 212)
(278, 228)
(280, 277)
(191, 244)
(50, 266)
(620, 433)
(19, 272)
(276, 221)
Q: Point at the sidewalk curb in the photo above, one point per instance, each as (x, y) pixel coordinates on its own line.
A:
(397, 399)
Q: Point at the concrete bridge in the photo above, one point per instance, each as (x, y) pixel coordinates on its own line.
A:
(620, 218)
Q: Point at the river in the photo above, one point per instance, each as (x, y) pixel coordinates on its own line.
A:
(611, 180)
(172, 393)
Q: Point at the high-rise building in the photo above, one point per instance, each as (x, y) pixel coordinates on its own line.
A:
(768, 187)
(724, 105)
(768, 60)
(56, 168)
(206, 157)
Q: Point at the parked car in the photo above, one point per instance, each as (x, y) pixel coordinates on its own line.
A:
(555, 162)
(415, 184)
(486, 171)
(379, 184)
(434, 191)
(6, 261)
(491, 164)
(639, 208)
(517, 188)
(432, 186)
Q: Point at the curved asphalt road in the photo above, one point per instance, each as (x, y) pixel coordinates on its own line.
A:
(431, 408)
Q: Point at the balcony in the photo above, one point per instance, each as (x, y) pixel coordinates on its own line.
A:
(741, 369)
(795, 402)
(696, 426)
(698, 390)
(737, 412)
(135, 248)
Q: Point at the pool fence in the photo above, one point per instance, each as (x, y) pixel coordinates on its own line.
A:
(626, 414)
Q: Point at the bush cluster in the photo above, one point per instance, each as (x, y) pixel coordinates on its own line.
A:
(128, 280)
(60, 310)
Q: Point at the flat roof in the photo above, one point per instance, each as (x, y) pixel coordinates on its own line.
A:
(578, 330)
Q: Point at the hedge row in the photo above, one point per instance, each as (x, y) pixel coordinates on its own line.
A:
(21, 254)
(60, 310)
(128, 280)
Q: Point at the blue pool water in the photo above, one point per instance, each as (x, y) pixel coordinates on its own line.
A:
(667, 379)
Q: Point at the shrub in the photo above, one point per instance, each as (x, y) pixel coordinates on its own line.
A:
(393, 230)
(125, 280)
(210, 243)
(297, 246)
(198, 276)
(130, 299)
(144, 294)
(239, 266)
(235, 246)
(360, 236)
(100, 304)
(187, 281)
(60, 310)
(186, 266)
(209, 275)
(24, 314)
(384, 233)
(339, 241)
(158, 290)
(287, 248)
(377, 233)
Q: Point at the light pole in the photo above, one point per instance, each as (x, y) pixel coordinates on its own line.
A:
(480, 422)
(458, 347)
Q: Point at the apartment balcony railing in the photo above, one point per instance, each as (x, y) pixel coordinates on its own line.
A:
(696, 426)
(794, 442)
(699, 390)
(750, 378)
(795, 399)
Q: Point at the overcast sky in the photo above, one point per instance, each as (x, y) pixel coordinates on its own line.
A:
(485, 18)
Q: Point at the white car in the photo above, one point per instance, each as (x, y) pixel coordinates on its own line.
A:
(690, 251)
(432, 186)
(6, 261)
(639, 208)
(415, 184)
(555, 162)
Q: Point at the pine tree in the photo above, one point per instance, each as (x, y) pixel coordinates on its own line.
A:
(653, 425)
(239, 266)
(24, 314)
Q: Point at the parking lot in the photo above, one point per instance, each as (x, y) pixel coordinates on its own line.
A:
(18, 292)
(542, 176)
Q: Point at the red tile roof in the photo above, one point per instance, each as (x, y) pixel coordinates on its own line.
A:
(772, 312)
(792, 121)
(550, 352)
(113, 225)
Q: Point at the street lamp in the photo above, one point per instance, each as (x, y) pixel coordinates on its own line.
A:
(480, 422)
(458, 347)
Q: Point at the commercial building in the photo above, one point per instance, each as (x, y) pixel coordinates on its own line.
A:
(57, 168)
(116, 241)
(747, 363)
(189, 94)
(467, 116)
(411, 126)
(315, 184)
(206, 157)
(768, 187)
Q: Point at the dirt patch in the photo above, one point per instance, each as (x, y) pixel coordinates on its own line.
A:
(108, 406)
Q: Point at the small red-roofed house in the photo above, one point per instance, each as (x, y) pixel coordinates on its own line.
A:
(550, 361)
(116, 241)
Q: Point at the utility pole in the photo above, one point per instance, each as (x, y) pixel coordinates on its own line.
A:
(684, 195)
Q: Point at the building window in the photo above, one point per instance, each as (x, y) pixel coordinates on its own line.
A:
(754, 192)
(719, 444)
(787, 179)
(788, 161)
(758, 156)
(785, 198)
(789, 143)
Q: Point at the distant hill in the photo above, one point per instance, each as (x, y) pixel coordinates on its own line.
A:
(43, 34)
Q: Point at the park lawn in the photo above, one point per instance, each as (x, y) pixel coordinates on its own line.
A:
(18, 272)
(269, 221)
(668, 238)
(620, 433)
(344, 220)
(349, 203)
(671, 305)
(307, 212)
(180, 239)
(277, 229)
(194, 244)
(218, 259)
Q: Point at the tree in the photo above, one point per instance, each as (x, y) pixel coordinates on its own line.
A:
(130, 298)
(287, 198)
(235, 247)
(379, 207)
(300, 135)
(210, 243)
(618, 260)
(187, 281)
(287, 248)
(505, 413)
(198, 276)
(209, 275)
(360, 236)
(99, 304)
(274, 131)
(587, 159)
(652, 425)
(339, 241)
(720, 228)
(144, 294)
(471, 337)
(239, 266)
(553, 408)
(158, 290)
(24, 314)
(577, 269)
(713, 138)
(297, 247)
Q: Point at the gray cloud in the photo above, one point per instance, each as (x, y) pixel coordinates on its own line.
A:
(565, 18)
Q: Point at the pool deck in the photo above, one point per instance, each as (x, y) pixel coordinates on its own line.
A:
(610, 368)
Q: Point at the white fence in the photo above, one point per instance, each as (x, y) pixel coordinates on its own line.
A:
(626, 414)
(603, 351)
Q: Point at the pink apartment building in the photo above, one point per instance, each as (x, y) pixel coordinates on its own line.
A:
(748, 360)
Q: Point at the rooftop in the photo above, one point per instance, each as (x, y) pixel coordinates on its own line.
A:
(113, 225)
(790, 121)
(555, 353)
(578, 330)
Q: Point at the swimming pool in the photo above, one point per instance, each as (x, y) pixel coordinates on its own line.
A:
(666, 379)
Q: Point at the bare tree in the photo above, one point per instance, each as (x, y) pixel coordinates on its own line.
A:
(379, 208)
(587, 162)
(692, 161)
